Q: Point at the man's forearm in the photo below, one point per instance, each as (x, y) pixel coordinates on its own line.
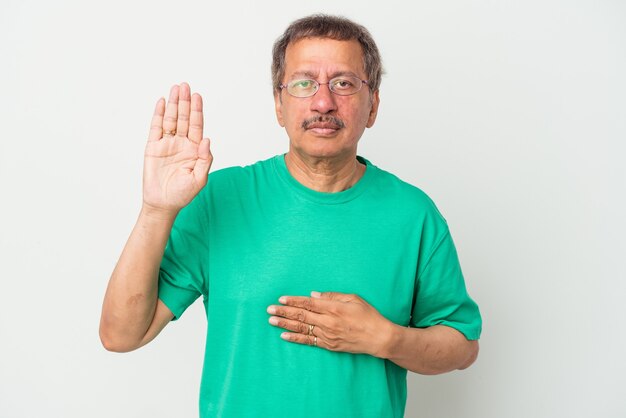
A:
(131, 296)
(434, 350)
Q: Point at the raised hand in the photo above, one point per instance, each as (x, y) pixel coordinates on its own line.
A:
(177, 158)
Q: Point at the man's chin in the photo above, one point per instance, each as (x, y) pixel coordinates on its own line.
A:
(323, 150)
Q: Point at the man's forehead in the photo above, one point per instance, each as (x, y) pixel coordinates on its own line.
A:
(312, 56)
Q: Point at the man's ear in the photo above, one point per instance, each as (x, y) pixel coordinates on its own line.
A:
(278, 104)
(374, 110)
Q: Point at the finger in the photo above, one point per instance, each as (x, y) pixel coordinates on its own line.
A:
(338, 296)
(156, 125)
(196, 119)
(304, 339)
(296, 314)
(310, 304)
(291, 325)
(184, 103)
(203, 163)
(171, 111)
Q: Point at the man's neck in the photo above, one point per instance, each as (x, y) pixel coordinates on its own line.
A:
(328, 175)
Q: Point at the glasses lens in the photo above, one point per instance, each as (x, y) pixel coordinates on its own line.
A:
(342, 86)
(302, 88)
(345, 86)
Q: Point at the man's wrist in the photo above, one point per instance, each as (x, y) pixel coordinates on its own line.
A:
(389, 339)
(158, 214)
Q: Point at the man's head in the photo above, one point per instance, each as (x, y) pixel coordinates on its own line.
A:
(326, 120)
(330, 27)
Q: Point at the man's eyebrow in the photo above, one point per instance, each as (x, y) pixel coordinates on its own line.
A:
(309, 74)
(306, 74)
(343, 73)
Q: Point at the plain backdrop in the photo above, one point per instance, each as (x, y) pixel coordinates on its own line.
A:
(511, 115)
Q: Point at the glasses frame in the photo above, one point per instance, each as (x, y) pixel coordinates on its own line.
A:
(318, 84)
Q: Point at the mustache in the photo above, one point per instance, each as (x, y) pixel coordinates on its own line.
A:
(335, 121)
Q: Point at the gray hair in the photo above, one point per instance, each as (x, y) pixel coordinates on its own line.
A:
(330, 27)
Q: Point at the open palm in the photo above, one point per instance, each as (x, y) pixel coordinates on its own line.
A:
(177, 159)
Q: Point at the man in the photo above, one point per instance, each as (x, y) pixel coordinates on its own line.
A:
(324, 278)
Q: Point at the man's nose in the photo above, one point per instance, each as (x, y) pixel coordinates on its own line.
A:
(324, 100)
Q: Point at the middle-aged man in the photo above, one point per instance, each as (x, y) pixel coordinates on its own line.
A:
(324, 277)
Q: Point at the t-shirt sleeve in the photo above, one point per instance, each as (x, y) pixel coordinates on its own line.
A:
(183, 275)
(440, 296)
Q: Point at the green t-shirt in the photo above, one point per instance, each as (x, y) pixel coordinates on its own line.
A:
(255, 233)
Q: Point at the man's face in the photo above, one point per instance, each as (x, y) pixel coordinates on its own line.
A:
(323, 59)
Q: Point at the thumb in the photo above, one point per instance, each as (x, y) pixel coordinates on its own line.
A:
(204, 149)
(203, 163)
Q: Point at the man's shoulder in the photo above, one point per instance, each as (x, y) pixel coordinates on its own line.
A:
(403, 195)
(391, 183)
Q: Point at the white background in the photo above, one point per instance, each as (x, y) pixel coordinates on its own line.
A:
(511, 115)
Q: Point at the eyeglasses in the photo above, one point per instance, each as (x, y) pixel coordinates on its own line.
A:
(342, 86)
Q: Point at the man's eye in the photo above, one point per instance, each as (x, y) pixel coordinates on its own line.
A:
(303, 84)
(342, 83)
